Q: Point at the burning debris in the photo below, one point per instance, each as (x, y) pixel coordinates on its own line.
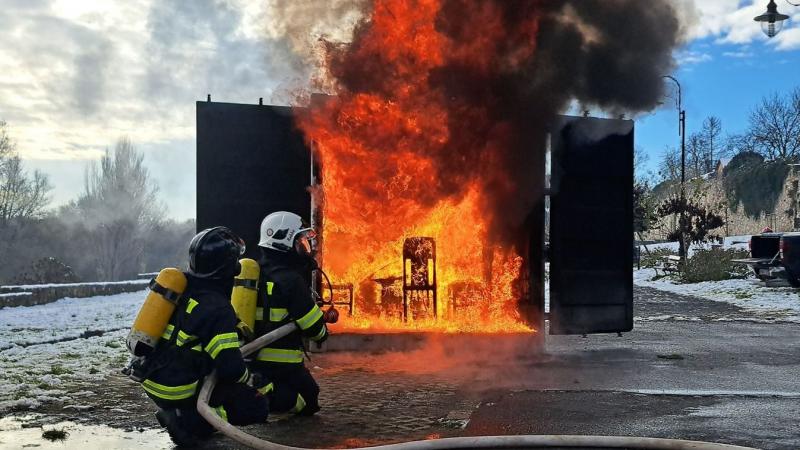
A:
(435, 127)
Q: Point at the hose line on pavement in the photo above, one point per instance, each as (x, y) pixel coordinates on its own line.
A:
(461, 443)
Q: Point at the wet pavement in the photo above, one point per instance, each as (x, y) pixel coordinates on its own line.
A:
(691, 369)
(43, 434)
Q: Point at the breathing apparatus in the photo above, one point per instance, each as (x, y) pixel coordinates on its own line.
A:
(213, 254)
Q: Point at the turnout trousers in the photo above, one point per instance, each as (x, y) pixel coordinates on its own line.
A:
(236, 403)
(295, 389)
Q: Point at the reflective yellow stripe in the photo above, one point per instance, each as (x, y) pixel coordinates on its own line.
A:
(310, 318)
(221, 342)
(170, 392)
(280, 355)
(244, 376)
(259, 313)
(270, 285)
(278, 314)
(220, 410)
(183, 338)
(299, 405)
(191, 305)
(321, 334)
(267, 389)
(168, 332)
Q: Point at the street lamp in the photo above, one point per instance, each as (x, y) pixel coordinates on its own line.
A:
(681, 127)
(682, 132)
(772, 21)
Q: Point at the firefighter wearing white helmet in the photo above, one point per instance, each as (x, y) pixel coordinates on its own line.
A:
(287, 259)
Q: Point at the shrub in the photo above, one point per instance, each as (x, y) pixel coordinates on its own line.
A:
(653, 258)
(714, 265)
(47, 270)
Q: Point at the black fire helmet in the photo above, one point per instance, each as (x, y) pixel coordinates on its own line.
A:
(215, 252)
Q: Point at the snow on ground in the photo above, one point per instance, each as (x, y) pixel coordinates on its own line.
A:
(735, 242)
(47, 350)
(777, 302)
(781, 303)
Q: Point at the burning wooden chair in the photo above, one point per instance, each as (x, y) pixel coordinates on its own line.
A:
(346, 299)
(419, 275)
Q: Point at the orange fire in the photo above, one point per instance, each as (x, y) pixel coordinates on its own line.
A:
(405, 153)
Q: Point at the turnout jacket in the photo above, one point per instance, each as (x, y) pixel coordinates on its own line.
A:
(284, 296)
(201, 336)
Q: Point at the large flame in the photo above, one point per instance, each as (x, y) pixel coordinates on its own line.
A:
(407, 150)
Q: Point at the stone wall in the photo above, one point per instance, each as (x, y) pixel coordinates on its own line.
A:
(38, 294)
(711, 194)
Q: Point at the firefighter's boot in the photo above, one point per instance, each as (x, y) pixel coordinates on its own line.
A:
(171, 420)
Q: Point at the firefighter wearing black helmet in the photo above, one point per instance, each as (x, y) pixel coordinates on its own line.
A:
(201, 336)
(287, 258)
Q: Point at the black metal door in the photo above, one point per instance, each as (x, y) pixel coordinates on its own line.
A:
(591, 226)
(251, 161)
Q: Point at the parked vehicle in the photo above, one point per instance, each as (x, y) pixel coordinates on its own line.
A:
(790, 257)
(775, 256)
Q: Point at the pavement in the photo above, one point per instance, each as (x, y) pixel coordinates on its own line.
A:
(690, 369)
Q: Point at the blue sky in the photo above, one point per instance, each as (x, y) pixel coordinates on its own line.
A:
(726, 77)
(76, 75)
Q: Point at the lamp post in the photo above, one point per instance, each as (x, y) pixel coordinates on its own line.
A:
(772, 21)
(682, 133)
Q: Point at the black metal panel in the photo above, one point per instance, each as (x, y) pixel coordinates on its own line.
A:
(251, 161)
(591, 226)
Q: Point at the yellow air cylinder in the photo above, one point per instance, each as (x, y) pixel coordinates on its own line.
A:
(156, 311)
(245, 292)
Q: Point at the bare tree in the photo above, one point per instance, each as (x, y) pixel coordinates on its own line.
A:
(117, 208)
(695, 156)
(775, 126)
(21, 196)
(640, 159)
(712, 142)
(740, 143)
(669, 168)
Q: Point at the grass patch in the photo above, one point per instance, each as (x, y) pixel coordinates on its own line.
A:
(93, 370)
(743, 295)
(671, 356)
(59, 370)
(55, 435)
(21, 393)
(71, 355)
(113, 344)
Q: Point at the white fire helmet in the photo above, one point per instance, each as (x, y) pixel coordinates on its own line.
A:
(283, 231)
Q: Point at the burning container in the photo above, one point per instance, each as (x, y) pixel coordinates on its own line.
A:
(252, 160)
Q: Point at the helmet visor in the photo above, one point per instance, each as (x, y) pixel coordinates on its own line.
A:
(306, 242)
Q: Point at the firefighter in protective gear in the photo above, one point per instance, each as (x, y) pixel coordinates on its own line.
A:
(200, 337)
(287, 259)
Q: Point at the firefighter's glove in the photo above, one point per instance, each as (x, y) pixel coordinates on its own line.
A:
(260, 383)
(245, 333)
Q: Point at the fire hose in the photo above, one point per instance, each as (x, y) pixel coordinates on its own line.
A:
(541, 441)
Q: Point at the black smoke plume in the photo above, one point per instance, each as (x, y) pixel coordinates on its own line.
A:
(510, 68)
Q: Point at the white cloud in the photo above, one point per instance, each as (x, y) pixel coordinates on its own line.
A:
(731, 21)
(687, 57)
(77, 75)
(742, 53)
